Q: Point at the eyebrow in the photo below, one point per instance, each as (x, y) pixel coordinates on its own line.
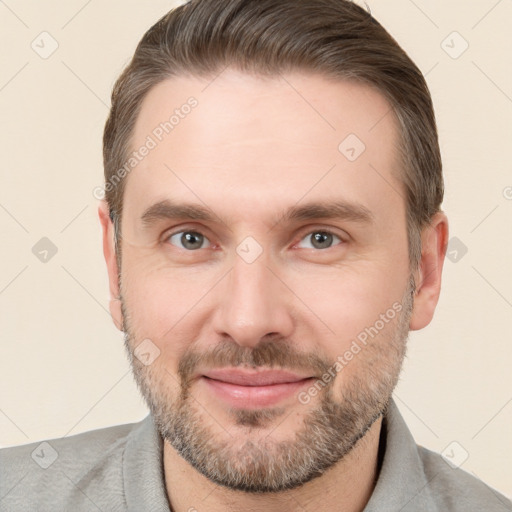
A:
(341, 210)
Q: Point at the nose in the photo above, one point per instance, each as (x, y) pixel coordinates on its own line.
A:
(253, 303)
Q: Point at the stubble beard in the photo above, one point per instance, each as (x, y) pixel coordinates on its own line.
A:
(328, 432)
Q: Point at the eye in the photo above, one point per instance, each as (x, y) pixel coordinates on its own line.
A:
(320, 239)
(189, 240)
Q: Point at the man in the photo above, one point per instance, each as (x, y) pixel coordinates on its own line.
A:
(272, 231)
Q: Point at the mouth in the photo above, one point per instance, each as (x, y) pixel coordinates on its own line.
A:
(253, 389)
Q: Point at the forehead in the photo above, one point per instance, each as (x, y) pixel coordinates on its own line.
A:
(252, 141)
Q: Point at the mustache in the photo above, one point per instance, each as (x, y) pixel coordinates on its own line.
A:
(268, 353)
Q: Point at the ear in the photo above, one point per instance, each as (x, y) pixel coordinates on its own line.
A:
(109, 251)
(434, 240)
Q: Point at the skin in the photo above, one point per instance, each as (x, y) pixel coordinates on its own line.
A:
(251, 148)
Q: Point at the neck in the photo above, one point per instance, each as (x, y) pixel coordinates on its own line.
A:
(346, 486)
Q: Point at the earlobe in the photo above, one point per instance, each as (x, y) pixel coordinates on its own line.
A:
(434, 241)
(116, 313)
(109, 252)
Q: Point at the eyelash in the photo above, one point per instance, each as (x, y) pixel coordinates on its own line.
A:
(167, 236)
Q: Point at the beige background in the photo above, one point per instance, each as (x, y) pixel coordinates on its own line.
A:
(62, 364)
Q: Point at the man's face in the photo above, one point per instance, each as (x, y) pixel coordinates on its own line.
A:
(248, 311)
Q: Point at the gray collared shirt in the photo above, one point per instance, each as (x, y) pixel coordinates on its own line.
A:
(121, 469)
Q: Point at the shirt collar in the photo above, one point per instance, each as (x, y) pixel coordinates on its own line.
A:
(143, 469)
(401, 484)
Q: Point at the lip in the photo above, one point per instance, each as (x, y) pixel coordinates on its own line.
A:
(253, 389)
(254, 377)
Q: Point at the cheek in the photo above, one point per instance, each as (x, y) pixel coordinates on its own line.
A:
(347, 301)
(154, 314)
(163, 305)
(155, 302)
(351, 298)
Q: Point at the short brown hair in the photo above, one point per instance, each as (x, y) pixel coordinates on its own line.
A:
(336, 38)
